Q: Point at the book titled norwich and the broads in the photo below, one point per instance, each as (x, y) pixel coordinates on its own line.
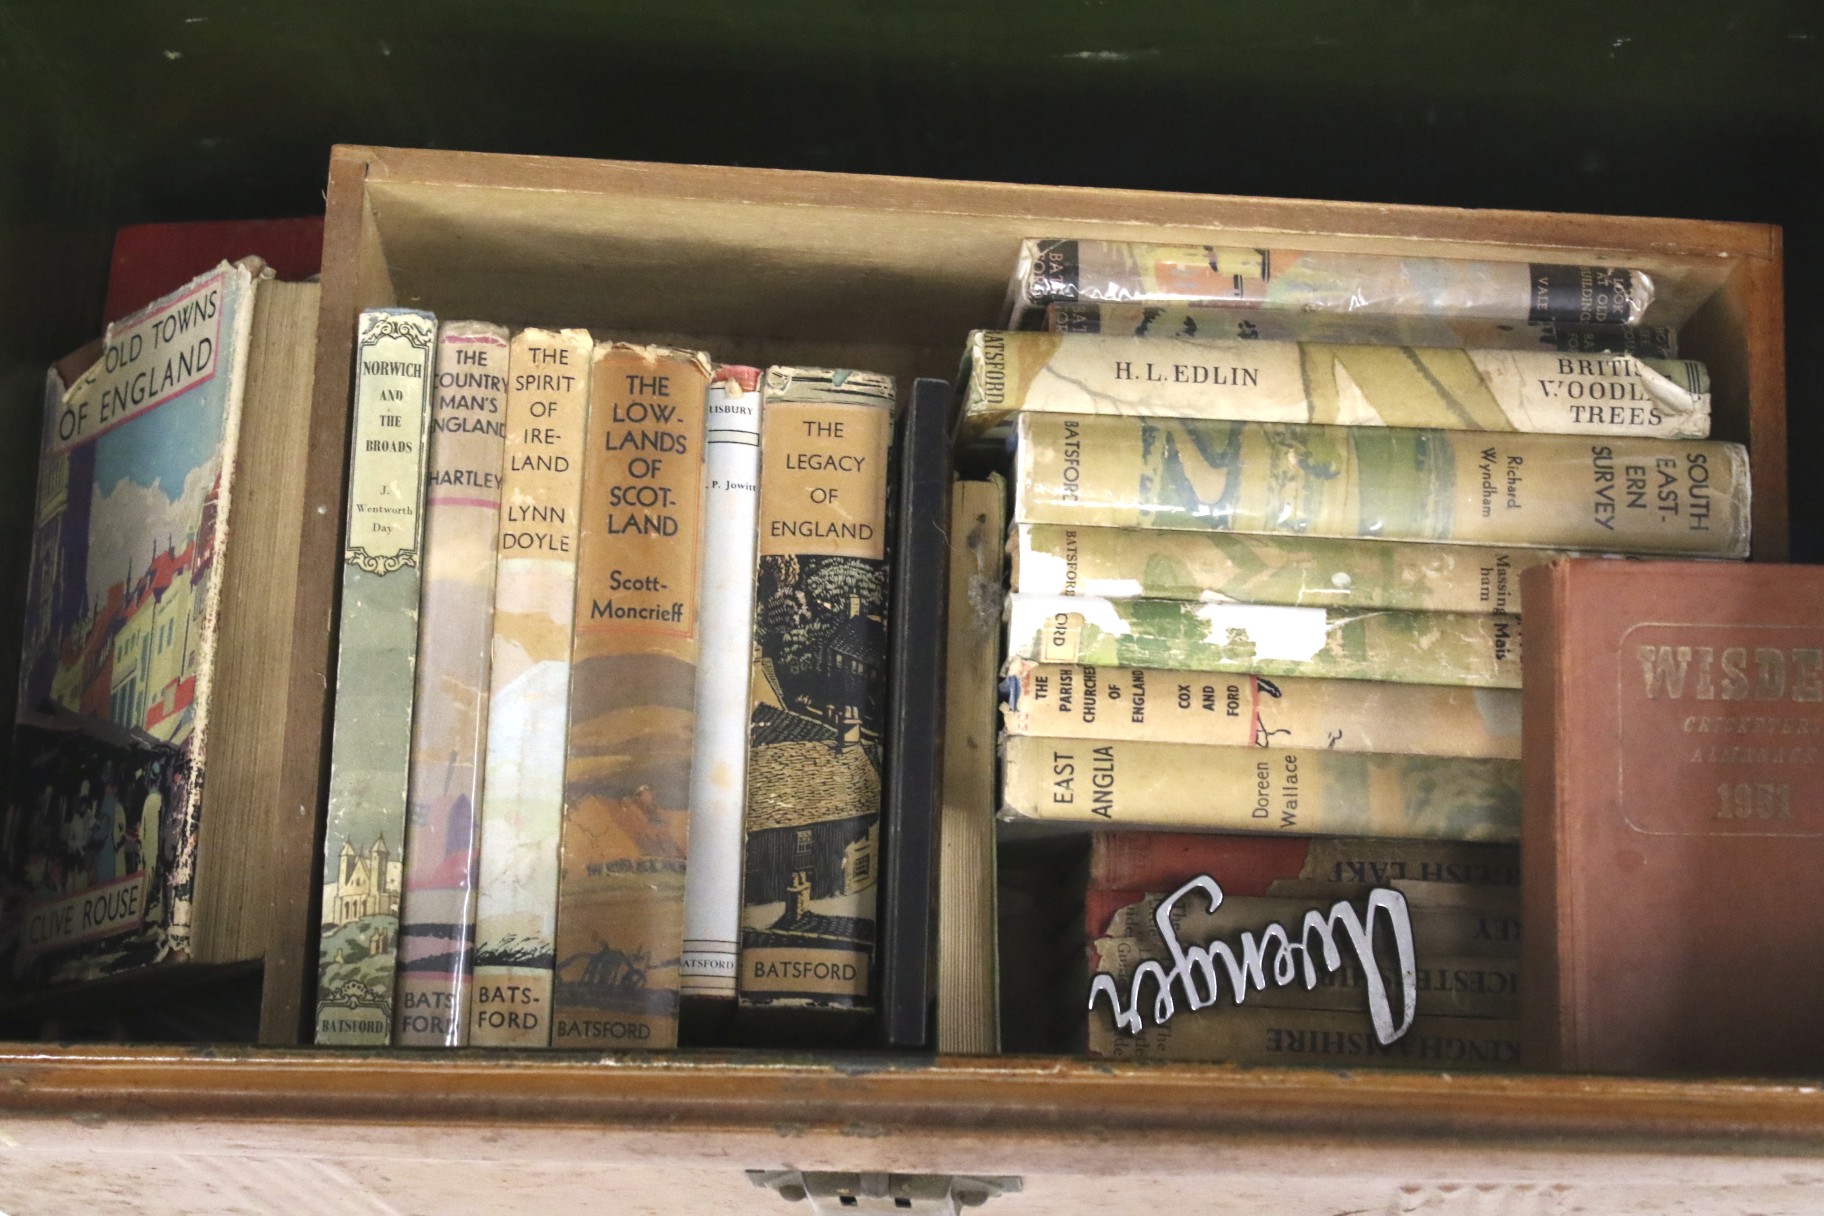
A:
(1270, 512)
(635, 604)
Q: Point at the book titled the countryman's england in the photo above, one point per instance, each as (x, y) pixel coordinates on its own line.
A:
(370, 747)
(1335, 385)
(818, 703)
(1674, 829)
(522, 805)
(1683, 497)
(718, 775)
(99, 859)
(450, 707)
(633, 686)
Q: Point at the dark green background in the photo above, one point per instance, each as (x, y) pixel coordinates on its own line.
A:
(114, 113)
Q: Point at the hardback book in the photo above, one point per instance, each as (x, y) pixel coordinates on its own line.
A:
(968, 1021)
(450, 704)
(818, 691)
(376, 663)
(1674, 819)
(1255, 380)
(1258, 865)
(633, 684)
(1165, 706)
(1315, 1038)
(1179, 786)
(718, 774)
(1282, 325)
(1066, 271)
(157, 627)
(153, 260)
(522, 803)
(916, 638)
(1683, 497)
(1236, 567)
(1474, 649)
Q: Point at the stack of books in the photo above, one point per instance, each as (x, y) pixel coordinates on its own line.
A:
(1269, 514)
(606, 608)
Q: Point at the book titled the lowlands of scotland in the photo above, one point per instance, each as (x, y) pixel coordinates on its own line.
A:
(1685, 498)
(633, 682)
(1062, 271)
(1334, 385)
(370, 744)
(534, 608)
(119, 654)
(450, 706)
(818, 691)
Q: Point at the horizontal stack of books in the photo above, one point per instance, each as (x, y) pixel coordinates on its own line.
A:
(601, 600)
(1269, 514)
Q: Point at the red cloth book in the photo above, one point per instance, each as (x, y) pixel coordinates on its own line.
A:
(152, 260)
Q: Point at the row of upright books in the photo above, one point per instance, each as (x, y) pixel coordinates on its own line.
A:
(609, 735)
(1270, 511)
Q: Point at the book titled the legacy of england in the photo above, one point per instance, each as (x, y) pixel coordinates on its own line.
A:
(370, 747)
(1617, 495)
(718, 775)
(1166, 706)
(450, 707)
(1333, 385)
(1307, 571)
(1128, 784)
(1066, 271)
(633, 685)
(1475, 649)
(534, 601)
(1357, 329)
(818, 699)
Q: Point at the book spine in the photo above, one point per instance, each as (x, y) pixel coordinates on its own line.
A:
(370, 745)
(450, 704)
(1678, 497)
(1247, 324)
(534, 601)
(1314, 1038)
(967, 1011)
(1252, 865)
(818, 691)
(1164, 706)
(718, 774)
(1231, 789)
(633, 677)
(1332, 385)
(1480, 651)
(1132, 563)
(1552, 785)
(1065, 271)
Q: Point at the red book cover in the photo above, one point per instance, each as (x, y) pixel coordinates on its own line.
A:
(152, 260)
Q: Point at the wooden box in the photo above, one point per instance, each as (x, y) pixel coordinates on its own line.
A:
(884, 273)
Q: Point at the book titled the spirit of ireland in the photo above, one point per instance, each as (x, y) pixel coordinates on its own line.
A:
(633, 686)
(818, 690)
(370, 747)
(522, 802)
(102, 814)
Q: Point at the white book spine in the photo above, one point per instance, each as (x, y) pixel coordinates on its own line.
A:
(718, 783)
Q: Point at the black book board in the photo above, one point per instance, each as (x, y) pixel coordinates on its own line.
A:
(921, 550)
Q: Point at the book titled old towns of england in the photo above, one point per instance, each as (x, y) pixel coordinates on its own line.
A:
(1358, 329)
(1616, 495)
(1337, 385)
(370, 747)
(450, 707)
(98, 839)
(718, 775)
(818, 690)
(1308, 571)
(633, 684)
(1476, 649)
(1067, 271)
(1128, 784)
(1165, 706)
(522, 806)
